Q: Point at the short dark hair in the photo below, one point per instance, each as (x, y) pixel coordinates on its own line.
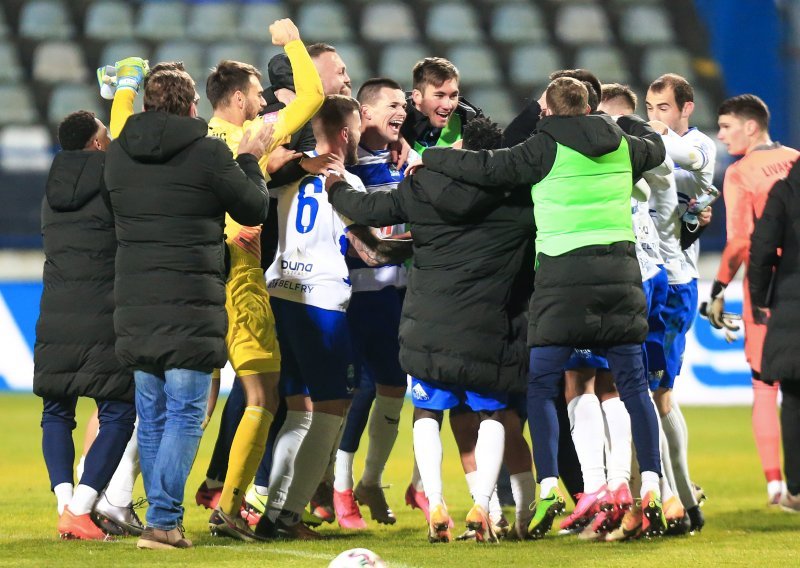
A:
(747, 107)
(481, 133)
(433, 71)
(162, 66)
(567, 96)
(617, 90)
(317, 49)
(170, 91)
(228, 77)
(592, 83)
(372, 87)
(333, 114)
(681, 88)
(77, 129)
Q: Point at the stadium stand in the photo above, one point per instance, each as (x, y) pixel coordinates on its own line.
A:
(49, 49)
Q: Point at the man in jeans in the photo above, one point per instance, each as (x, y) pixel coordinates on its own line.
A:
(170, 187)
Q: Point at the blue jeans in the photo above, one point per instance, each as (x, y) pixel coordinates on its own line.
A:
(544, 384)
(171, 408)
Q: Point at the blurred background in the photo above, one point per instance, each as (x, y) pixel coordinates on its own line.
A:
(504, 49)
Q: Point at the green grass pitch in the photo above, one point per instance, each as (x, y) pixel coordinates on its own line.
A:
(740, 529)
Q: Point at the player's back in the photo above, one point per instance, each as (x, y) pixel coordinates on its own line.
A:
(760, 169)
(309, 265)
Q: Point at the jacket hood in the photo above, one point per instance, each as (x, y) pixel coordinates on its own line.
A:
(155, 137)
(75, 177)
(280, 74)
(592, 135)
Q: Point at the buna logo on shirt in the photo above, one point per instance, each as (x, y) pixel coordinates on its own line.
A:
(297, 266)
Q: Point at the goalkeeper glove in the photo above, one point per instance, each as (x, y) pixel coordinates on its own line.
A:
(107, 80)
(131, 72)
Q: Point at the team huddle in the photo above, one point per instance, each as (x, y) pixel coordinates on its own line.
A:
(545, 273)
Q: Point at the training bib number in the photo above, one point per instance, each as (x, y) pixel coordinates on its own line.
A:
(307, 204)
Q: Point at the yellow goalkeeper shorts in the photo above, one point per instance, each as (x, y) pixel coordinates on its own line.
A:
(251, 339)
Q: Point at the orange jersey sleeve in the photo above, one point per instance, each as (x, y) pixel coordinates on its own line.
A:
(745, 190)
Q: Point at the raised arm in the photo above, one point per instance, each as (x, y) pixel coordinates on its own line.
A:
(767, 238)
(508, 167)
(377, 209)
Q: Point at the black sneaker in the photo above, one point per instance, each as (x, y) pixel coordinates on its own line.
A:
(236, 527)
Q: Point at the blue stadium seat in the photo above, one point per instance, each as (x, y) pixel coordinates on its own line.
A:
(398, 59)
(604, 61)
(388, 21)
(161, 21)
(10, 67)
(477, 65)
(69, 98)
(115, 51)
(190, 53)
(582, 24)
(255, 18)
(45, 19)
(59, 61)
(212, 22)
(646, 25)
(16, 105)
(112, 20)
(238, 51)
(531, 64)
(514, 23)
(659, 60)
(495, 102)
(357, 67)
(324, 21)
(452, 22)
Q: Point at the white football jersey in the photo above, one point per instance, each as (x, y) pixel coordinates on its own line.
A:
(647, 252)
(378, 173)
(691, 181)
(309, 266)
(666, 215)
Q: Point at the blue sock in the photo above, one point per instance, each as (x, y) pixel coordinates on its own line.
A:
(357, 417)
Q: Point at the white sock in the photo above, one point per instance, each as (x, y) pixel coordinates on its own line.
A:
(343, 478)
(488, 458)
(312, 459)
(547, 484)
(586, 421)
(83, 499)
(523, 488)
(618, 441)
(428, 449)
(775, 488)
(495, 509)
(289, 439)
(63, 493)
(682, 421)
(650, 482)
(119, 491)
(472, 482)
(79, 468)
(261, 489)
(416, 479)
(384, 423)
(666, 463)
(677, 454)
(330, 471)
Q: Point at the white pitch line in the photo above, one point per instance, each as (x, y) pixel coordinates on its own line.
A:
(311, 555)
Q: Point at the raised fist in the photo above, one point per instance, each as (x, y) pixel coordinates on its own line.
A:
(283, 31)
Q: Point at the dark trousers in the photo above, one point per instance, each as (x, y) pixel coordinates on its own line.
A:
(58, 421)
(790, 427)
(544, 388)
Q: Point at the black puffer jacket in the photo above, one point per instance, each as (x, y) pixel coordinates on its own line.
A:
(170, 186)
(591, 296)
(775, 280)
(463, 319)
(74, 351)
